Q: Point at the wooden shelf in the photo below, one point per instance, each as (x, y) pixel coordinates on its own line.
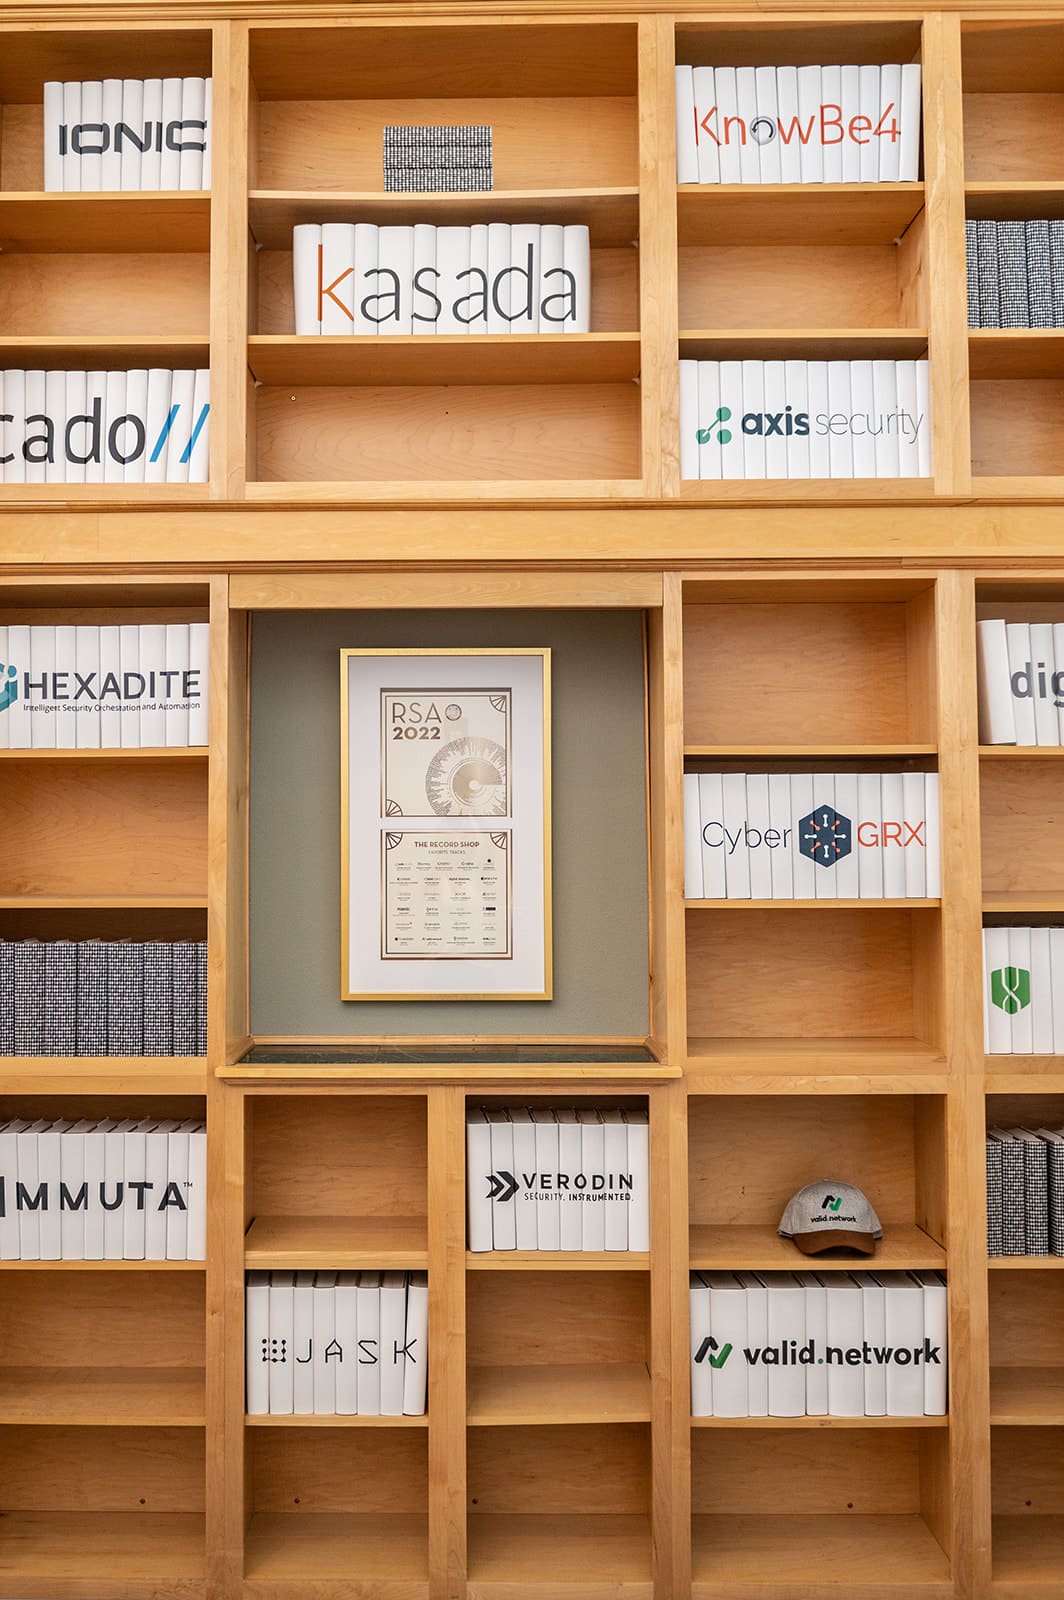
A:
(811, 752)
(529, 1396)
(1022, 1397)
(808, 344)
(1015, 353)
(796, 213)
(103, 902)
(822, 491)
(301, 1420)
(193, 752)
(306, 1243)
(755, 1248)
(128, 1397)
(1028, 1555)
(595, 1553)
(130, 350)
(913, 904)
(1024, 1074)
(102, 1266)
(357, 1547)
(611, 214)
(445, 359)
(1025, 1263)
(763, 1553)
(833, 1424)
(1014, 201)
(814, 1058)
(1027, 900)
(557, 1261)
(103, 1075)
(107, 1548)
(64, 224)
(1021, 752)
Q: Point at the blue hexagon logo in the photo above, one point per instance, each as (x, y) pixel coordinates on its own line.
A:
(824, 836)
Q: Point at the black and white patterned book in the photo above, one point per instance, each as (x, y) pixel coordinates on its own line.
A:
(1013, 1221)
(184, 970)
(994, 1245)
(125, 999)
(201, 998)
(158, 999)
(437, 145)
(971, 242)
(1054, 1142)
(92, 998)
(29, 998)
(1039, 273)
(1012, 275)
(437, 180)
(987, 258)
(1035, 1192)
(1056, 268)
(7, 998)
(60, 998)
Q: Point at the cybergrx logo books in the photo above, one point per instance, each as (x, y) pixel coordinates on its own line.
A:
(824, 836)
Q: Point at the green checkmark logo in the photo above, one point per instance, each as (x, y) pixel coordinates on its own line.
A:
(721, 1357)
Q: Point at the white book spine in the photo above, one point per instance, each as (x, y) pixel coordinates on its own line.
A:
(108, 689)
(776, 401)
(133, 1203)
(415, 1378)
(840, 440)
(847, 867)
(346, 1306)
(819, 415)
(175, 1216)
(728, 1325)
(638, 1125)
(152, 666)
(803, 868)
(9, 1245)
(933, 853)
(257, 1343)
(198, 682)
(303, 1347)
(758, 824)
(53, 155)
(904, 1317)
(452, 263)
(134, 436)
(92, 136)
(48, 1175)
(806, 136)
(922, 372)
(193, 132)
(8, 683)
(569, 1164)
(870, 113)
(885, 407)
(906, 420)
(197, 1194)
(737, 854)
(764, 130)
(75, 1198)
(13, 433)
(476, 291)
(997, 722)
(686, 149)
(156, 1211)
(892, 834)
(755, 459)
(176, 666)
(757, 1337)
(66, 445)
(282, 1338)
(863, 413)
(816, 1338)
(323, 1308)
(844, 1333)
(308, 273)
(95, 1171)
(208, 132)
(909, 147)
(389, 307)
(824, 836)
(524, 1204)
(787, 123)
(727, 437)
(114, 1189)
(746, 106)
(874, 1316)
(42, 671)
(367, 249)
(132, 133)
(710, 422)
(786, 1323)
(71, 121)
(498, 262)
(566, 303)
(704, 128)
(1058, 678)
(66, 722)
(711, 812)
(1022, 1021)
(114, 427)
(522, 278)
(796, 389)
(692, 838)
(478, 1186)
(92, 443)
(914, 834)
(369, 1336)
(727, 126)
(503, 1214)
(830, 123)
(548, 1205)
(170, 154)
(151, 159)
(1041, 993)
(56, 413)
(701, 1371)
(1045, 712)
(889, 124)
(1018, 643)
(849, 100)
(1056, 960)
(781, 836)
(615, 1167)
(592, 1165)
(338, 286)
(393, 1341)
(19, 732)
(198, 429)
(998, 1020)
(936, 1343)
(28, 1165)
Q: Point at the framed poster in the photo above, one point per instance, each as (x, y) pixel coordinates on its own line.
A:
(445, 844)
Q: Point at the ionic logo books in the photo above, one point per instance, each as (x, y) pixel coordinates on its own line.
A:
(1021, 682)
(793, 1344)
(103, 1190)
(1023, 991)
(141, 426)
(337, 1343)
(127, 685)
(131, 133)
(804, 419)
(811, 836)
(558, 1178)
(491, 277)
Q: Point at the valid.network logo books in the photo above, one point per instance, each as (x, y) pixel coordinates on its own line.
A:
(805, 419)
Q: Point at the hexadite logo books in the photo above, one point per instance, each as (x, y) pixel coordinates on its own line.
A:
(9, 691)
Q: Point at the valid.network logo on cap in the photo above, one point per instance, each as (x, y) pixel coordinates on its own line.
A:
(829, 1215)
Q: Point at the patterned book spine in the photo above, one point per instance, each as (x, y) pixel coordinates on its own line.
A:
(29, 998)
(1035, 1196)
(994, 1228)
(1012, 275)
(61, 998)
(987, 257)
(427, 145)
(125, 1000)
(184, 966)
(1039, 273)
(1014, 1229)
(1056, 1197)
(438, 180)
(7, 998)
(971, 240)
(158, 1000)
(92, 998)
(201, 998)
(1056, 269)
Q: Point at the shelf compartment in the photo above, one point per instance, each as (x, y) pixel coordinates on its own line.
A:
(163, 297)
(427, 436)
(1023, 1397)
(860, 1503)
(1015, 200)
(149, 222)
(823, 1059)
(748, 1156)
(445, 359)
(557, 1261)
(1026, 1319)
(767, 975)
(597, 1556)
(1021, 806)
(560, 1348)
(337, 1503)
(1013, 100)
(304, 1243)
(817, 215)
(812, 344)
(1017, 432)
(103, 1075)
(1028, 1531)
(133, 1397)
(1003, 353)
(86, 355)
(131, 1548)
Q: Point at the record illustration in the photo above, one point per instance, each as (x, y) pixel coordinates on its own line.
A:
(467, 778)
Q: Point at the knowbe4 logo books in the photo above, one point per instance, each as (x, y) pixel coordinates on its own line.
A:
(804, 419)
(811, 836)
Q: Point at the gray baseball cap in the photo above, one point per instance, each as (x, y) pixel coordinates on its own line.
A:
(827, 1215)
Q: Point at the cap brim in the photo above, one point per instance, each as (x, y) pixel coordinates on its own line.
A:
(815, 1244)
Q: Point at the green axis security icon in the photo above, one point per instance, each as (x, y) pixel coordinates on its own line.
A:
(1010, 989)
(704, 435)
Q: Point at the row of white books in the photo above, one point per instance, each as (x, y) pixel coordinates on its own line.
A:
(558, 1178)
(134, 1189)
(811, 836)
(1023, 991)
(805, 419)
(798, 124)
(126, 685)
(128, 133)
(828, 1344)
(140, 426)
(337, 1344)
(490, 277)
(1021, 682)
